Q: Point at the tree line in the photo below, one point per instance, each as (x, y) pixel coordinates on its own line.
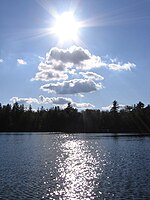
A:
(130, 119)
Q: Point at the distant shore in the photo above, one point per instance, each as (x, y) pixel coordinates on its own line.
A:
(130, 119)
(73, 133)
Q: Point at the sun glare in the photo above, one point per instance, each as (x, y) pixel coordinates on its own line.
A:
(66, 27)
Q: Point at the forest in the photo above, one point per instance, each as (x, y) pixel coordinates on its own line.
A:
(130, 119)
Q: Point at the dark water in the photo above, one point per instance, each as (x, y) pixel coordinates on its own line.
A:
(72, 167)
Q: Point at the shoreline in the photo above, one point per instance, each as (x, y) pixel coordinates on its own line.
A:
(119, 134)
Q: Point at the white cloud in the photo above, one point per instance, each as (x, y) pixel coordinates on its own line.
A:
(21, 62)
(49, 75)
(113, 60)
(91, 75)
(44, 100)
(120, 67)
(74, 56)
(40, 100)
(67, 61)
(75, 86)
(82, 105)
(1, 60)
(63, 101)
(59, 63)
(41, 58)
(59, 101)
(108, 108)
(58, 66)
(24, 100)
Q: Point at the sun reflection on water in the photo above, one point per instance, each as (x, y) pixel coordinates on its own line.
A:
(78, 171)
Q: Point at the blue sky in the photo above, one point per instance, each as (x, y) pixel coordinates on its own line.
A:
(110, 61)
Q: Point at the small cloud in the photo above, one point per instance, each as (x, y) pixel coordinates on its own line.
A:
(121, 67)
(49, 75)
(108, 108)
(44, 100)
(21, 62)
(24, 100)
(75, 86)
(1, 60)
(61, 100)
(41, 58)
(113, 60)
(83, 105)
(91, 75)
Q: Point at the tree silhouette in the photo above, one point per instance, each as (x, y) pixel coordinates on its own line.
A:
(115, 107)
(130, 119)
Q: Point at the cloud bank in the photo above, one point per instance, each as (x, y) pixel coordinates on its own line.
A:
(57, 101)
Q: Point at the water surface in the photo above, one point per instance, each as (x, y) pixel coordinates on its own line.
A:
(74, 166)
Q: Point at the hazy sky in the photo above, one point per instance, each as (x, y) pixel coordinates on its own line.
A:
(108, 60)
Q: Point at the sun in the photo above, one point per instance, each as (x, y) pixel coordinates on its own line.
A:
(66, 27)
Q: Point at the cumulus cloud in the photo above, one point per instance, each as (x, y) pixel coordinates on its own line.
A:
(67, 61)
(1, 60)
(91, 75)
(74, 56)
(49, 75)
(121, 67)
(60, 66)
(56, 101)
(21, 62)
(60, 63)
(75, 86)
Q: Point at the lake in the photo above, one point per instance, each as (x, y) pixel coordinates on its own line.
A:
(40, 166)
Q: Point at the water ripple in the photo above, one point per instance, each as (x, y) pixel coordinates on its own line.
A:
(74, 167)
(78, 171)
